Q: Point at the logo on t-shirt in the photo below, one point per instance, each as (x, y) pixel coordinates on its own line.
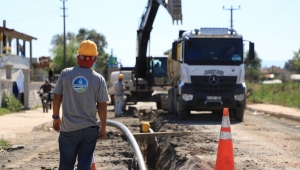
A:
(80, 84)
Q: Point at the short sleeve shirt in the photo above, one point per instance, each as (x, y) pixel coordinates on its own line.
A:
(118, 87)
(81, 89)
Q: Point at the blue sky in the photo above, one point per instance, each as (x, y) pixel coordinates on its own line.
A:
(273, 25)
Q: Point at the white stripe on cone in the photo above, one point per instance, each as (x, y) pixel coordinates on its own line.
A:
(93, 160)
(225, 121)
(93, 163)
(225, 135)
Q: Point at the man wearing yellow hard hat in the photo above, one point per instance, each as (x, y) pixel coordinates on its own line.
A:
(119, 89)
(79, 88)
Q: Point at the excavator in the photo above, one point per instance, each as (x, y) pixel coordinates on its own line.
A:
(150, 72)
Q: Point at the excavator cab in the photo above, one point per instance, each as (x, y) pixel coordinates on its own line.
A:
(157, 71)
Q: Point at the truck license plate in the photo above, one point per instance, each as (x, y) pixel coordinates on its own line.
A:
(213, 97)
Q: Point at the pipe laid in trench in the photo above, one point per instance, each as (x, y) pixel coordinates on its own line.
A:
(132, 141)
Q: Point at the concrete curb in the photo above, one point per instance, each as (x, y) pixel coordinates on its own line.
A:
(275, 114)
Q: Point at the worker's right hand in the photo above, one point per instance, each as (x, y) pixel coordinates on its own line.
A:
(56, 124)
(102, 133)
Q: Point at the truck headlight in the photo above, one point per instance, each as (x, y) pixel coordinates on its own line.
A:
(239, 97)
(187, 97)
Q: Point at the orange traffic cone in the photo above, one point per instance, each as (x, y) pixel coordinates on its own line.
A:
(225, 159)
(93, 164)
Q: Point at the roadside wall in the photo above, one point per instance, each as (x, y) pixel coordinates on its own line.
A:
(5, 86)
(34, 99)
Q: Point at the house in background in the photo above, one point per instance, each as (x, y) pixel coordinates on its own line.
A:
(17, 56)
(19, 71)
(39, 69)
(13, 52)
(274, 72)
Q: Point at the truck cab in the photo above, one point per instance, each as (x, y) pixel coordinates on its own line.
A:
(210, 73)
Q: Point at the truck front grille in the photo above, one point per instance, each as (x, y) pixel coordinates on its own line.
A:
(225, 85)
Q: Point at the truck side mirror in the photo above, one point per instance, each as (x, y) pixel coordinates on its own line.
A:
(174, 51)
(251, 51)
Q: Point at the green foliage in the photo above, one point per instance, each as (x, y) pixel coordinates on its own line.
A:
(252, 67)
(11, 102)
(4, 144)
(102, 64)
(168, 52)
(72, 43)
(71, 58)
(294, 64)
(4, 111)
(286, 94)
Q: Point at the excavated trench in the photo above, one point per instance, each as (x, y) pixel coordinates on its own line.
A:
(160, 151)
(175, 146)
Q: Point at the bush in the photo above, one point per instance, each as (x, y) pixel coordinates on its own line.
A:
(285, 94)
(4, 111)
(11, 102)
(4, 144)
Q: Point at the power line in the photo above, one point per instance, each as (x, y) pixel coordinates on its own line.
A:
(64, 15)
(42, 5)
(38, 15)
(40, 24)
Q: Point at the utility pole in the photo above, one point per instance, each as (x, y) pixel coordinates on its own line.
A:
(64, 15)
(231, 16)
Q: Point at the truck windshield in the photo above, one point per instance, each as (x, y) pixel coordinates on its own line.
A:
(206, 51)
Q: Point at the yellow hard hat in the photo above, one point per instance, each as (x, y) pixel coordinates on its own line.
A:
(145, 127)
(120, 76)
(88, 48)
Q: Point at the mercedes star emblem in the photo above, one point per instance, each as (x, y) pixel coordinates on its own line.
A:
(213, 79)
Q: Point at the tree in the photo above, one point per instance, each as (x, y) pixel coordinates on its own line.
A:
(102, 64)
(72, 43)
(289, 65)
(71, 55)
(99, 39)
(294, 64)
(167, 52)
(252, 67)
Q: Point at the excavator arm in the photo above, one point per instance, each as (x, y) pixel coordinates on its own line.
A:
(144, 30)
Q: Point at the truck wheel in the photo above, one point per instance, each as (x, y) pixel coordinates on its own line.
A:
(175, 106)
(124, 106)
(170, 102)
(239, 114)
(182, 112)
(158, 105)
(164, 101)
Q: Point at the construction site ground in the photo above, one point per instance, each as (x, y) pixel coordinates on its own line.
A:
(268, 138)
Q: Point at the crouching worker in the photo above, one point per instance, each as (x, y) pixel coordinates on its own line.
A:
(79, 88)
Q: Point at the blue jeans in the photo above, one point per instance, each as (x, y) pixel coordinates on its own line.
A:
(78, 144)
(118, 105)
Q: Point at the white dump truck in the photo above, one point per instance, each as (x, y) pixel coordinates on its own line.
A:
(206, 69)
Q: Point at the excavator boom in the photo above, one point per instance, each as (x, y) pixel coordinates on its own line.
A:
(143, 33)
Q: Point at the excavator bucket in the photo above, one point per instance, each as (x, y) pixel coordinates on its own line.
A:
(174, 8)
